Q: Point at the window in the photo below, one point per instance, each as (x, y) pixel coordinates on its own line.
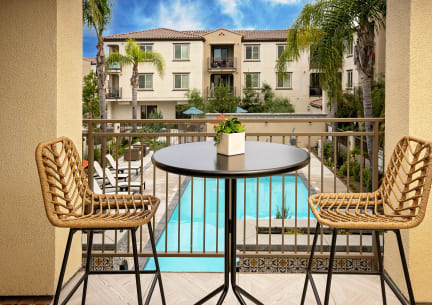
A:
(284, 80)
(146, 110)
(350, 48)
(349, 79)
(146, 47)
(280, 49)
(145, 81)
(252, 80)
(252, 52)
(181, 51)
(315, 85)
(181, 81)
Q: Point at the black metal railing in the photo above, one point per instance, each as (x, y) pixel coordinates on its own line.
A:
(115, 93)
(286, 234)
(215, 63)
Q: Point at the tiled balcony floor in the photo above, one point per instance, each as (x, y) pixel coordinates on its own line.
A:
(187, 288)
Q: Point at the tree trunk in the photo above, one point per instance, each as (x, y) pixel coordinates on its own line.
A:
(134, 83)
(363, 59)
(366, 83)
(101, 75)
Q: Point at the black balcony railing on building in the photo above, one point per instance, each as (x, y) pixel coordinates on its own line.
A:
(229, 63)
(115, 93)
(286, 235)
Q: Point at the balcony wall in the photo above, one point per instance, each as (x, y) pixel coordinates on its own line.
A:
(41, 88)
(408, 112)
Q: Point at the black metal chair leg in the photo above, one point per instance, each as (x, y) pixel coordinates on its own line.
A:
(88, 262)
(137, 271)
(380, 267)
(155, 257)
(330, 268)
(405, 267)
(63, 268)
(309, 267)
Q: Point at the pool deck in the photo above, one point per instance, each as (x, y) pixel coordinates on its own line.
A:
(271, 289)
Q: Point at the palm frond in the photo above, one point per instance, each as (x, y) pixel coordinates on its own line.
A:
(116, 57)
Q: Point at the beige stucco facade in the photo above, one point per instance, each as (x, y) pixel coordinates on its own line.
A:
(41, 59)
(163, 94)
(233, 41)
(409, 112)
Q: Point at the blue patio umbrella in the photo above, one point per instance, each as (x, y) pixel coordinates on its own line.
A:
(193, 110)
(239, 109)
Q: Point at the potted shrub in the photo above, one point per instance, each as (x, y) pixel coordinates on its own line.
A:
(230, 137)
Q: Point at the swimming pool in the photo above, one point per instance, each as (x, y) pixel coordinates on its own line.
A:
(215, 264)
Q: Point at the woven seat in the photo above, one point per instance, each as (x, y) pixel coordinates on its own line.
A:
(399, 203)
(70, 203)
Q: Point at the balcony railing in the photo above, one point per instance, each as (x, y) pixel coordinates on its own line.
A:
(114, 93)
(115, 67)
(275, 220)
(211, 91)
(215, 64)
(315, 91)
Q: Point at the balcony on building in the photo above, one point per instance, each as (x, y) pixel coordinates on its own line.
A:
(222, 58)
(115, 67)
(218, 80)
(114, 91)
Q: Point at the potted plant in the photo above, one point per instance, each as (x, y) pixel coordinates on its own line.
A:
(230, 137)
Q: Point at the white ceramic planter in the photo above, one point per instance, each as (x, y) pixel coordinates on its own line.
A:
(231, 144)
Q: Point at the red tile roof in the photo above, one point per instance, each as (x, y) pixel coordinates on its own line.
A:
(168, 34)
(91, 60)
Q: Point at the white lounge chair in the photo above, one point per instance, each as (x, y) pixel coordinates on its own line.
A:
(122, 168)
(98, 190)
(123, 186)
(99, 172)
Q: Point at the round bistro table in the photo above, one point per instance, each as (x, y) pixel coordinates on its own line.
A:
(200, 159)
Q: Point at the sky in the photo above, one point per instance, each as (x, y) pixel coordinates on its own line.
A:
(138, 15)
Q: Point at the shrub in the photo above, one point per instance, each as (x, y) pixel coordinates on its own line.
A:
(353, 167)
(367, 179)
(328, 150)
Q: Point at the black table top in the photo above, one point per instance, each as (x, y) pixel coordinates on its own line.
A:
(200, 159)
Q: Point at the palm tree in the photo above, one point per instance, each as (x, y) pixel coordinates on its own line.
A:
(97, 15)
(135, 56)
(327, 27)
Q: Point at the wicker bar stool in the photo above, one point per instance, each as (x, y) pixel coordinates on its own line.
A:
(69, 203)
(399, 203)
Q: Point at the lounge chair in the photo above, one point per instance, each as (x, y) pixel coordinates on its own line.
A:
(98, 190)
(99, 172)
(122, 168)
(123, 186)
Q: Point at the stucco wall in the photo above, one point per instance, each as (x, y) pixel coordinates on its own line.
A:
(299, 94)
(41, 99)
(408, 112)
(163, 86)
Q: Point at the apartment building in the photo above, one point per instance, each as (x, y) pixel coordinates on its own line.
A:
(203, 59)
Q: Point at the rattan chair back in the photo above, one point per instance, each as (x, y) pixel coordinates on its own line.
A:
(63, 180)
(68, 200)
(407, 180)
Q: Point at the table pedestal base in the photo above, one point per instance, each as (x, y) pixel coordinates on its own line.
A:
(230, 250)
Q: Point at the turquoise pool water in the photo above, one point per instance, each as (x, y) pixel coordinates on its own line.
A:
(194, 264)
